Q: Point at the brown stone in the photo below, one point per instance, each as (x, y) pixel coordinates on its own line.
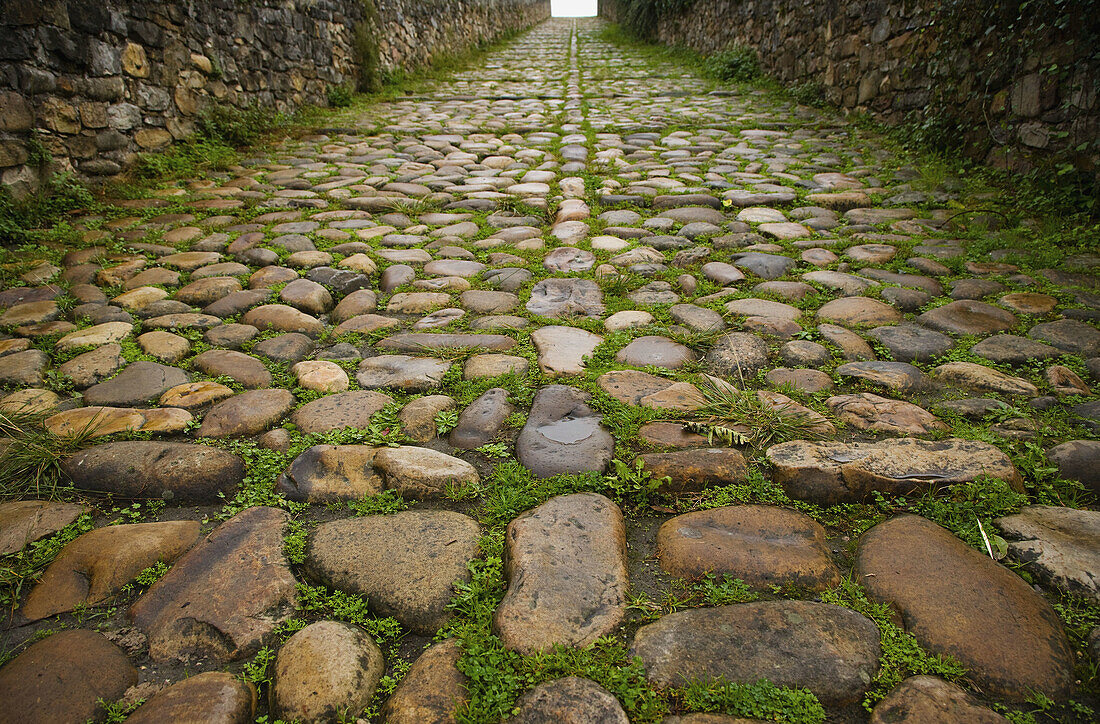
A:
(865, 411)
(25, 521)
(929, 700)
(96, 566)
(761, 545)
(830, 650)
(567, 580)
(957, 601)
(326, 669)
(63, 677)
(214, 697)
(693, 470)
(248, 413)
(225, 597)
(431, 691)
(405, 564)
(833, 472)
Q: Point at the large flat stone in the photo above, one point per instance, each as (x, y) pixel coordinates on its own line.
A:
(225, 597)
(957, 601)
(143, 469)
(330, 474)
(24, 521)
(324, 670)
(567, 580)
(1060, 545)
(761, 545)
(248, 413)
(214, 697)
(402, 371)
(832, 651)
(832, 472)
(95, 566)
(63, 677)
(406, 564)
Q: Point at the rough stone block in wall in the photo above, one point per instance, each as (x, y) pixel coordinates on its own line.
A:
(99, 81)
(886, 58)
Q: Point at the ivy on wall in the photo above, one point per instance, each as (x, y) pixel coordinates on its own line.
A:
(1031, 58)
(640, 18)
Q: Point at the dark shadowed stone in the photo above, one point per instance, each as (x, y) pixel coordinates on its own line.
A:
(1078, 460)
(95, 566)
(147, 469)
(566, 297)
(571, 700)
(334, 412)
(225, 597)
(930, 700)
(693, 470)
(61, 679)
(331, 473)
(832, 651)
(405, 564)
(563, 434)
(433, 689)
(326, 669)
(1060, 545)
(25, 521)
(957, 601)
(140, 382)
(214, 697)
(759, 544)
(738, 355)
(833, 472)
(1069, 335)
(237, 303)
(910, 343)
(480, 422)
(1012, 349)
(567, 579)
(248, 371)
(248, 413)
(968, 317)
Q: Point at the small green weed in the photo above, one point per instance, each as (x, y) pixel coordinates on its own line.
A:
(901, 655)
(759, 700)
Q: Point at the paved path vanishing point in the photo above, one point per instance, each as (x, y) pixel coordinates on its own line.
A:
(539, 262)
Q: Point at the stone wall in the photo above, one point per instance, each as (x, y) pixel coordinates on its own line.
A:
(95, 81)
(1017, 85)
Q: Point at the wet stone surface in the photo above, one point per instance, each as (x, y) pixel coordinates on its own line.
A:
(570, 346)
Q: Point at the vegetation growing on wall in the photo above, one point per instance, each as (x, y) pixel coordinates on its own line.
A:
(640, 17)
(1029, 50)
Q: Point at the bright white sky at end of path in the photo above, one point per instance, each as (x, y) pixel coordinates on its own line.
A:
(572, 8)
